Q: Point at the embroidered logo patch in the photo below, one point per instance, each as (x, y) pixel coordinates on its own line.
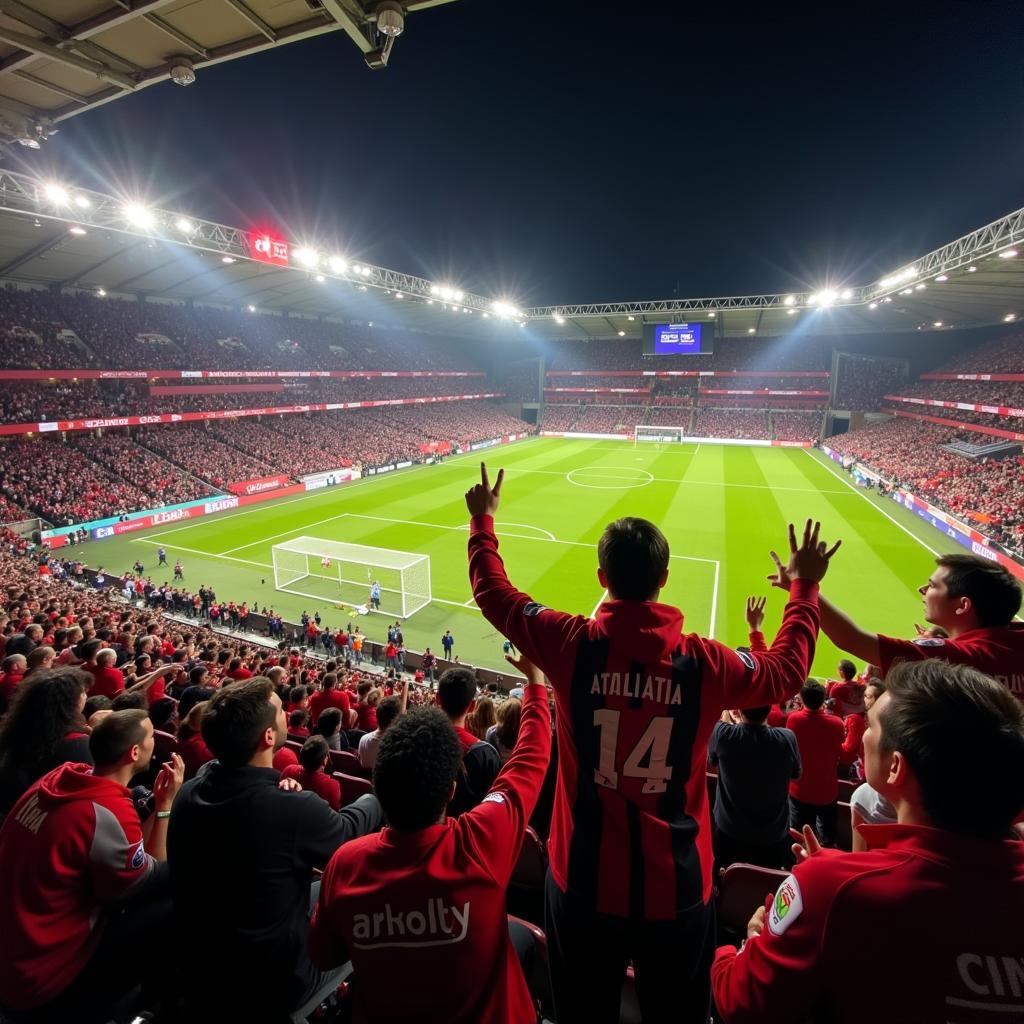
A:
(747, 659)
(929, 641)
(493, 798)
(786, 907)
(534, 608)
(138, 857)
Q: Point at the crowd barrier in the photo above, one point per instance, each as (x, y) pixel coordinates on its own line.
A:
(995, 410)
(965, 535)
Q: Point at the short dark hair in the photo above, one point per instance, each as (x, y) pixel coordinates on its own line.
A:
(195, 675)
(633, 554)
(130, 699)
(757, 715)
(994, 594)
(99, 702)
(418, 759)
(456, 690)
(941, 717)
(297, 718)
(847, 669)
(812, 695)
(387, 711)
(313, 752)
(236, 717)
(115, 735)
(329, 721)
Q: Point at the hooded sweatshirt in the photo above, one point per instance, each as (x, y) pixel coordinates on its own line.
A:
(71, 847)
(637, 700)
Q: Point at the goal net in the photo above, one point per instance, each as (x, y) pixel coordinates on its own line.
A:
(659, 434)
(335, 572)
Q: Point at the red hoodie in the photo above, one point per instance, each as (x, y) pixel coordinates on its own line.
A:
(74, 844)
(637, 700)
(410, 905)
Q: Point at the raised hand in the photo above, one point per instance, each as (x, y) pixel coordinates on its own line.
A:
(168, 782)
(481, 498)
(534, 676)
(755, 613)
(807, 561)
(806, 844)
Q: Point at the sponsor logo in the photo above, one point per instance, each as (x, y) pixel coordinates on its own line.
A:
(437, 924)
(403, 465)
(103, 531)
(171, 516)
(44, 427)
(985, 552)
(534, 608)
(191, 373)
(929, 641)
(219, 505)
(132, 525)
(261, 485)
(122, 421)
(138, 857)
(493, 798)
(786, 906)
(150, 419)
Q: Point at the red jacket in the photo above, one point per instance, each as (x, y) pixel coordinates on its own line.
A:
(74, 844)
(637, 700)
(195, 753)
(318, 782)
(327, 699)
(409, 905)
(997, 652)
(819, 736)
(950, 905)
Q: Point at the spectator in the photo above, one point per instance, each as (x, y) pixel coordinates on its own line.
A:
(79, 882)
(12, 672)
(193, 749)
(242, 850)
(504, 733)
(329, 726)
(408, 869)
(847, 692)
(366, 709)
(329, 695)
(297, 722)
(43, 729)
(311, 772)
(819, 737)
(756, 764)
(819, 929)
(456, 691)
(390, 708)
(644, 764)
(482, 717)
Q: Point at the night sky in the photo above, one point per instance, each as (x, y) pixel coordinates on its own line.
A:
(553, 153)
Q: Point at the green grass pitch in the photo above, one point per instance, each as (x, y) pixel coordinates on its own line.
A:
(723, 508)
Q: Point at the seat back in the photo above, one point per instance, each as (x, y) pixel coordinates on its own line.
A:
(352, 787)
(164, 744)
(532, 863)
(844, 827)
(294, 745)
(742, 888)
(346, 761)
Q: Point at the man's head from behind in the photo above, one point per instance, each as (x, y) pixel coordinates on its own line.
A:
(968, 591)
(456, 691)
(418, 760)
(244, 721)
(632, 559)
(122, 739)
(932, 724)
(812, 696)
(847, 670)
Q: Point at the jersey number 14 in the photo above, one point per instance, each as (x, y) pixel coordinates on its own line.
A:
(647, 760)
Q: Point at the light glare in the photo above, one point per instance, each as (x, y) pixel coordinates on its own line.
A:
(138, 215)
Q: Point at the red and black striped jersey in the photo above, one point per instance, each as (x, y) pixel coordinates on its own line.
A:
(636, 702)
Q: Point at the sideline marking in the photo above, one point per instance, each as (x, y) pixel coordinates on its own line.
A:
(877, 508)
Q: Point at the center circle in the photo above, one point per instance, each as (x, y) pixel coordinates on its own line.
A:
(617, 481)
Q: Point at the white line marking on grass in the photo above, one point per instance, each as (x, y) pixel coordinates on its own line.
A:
(861, 494)
(600, 601)
(714, 602)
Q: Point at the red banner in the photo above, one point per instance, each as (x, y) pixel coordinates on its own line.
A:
(763, 391)
(257, 486)
(225, 414)
(995, 410)
(215, 389)
(994, 431)
(436, 448)
(220, 374)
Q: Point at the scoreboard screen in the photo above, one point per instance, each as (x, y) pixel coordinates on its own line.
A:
(678, 339)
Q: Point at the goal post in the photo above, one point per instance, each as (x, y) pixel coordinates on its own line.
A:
(654, 432)
(339, 572)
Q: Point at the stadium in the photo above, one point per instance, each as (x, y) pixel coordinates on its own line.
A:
(241, 460)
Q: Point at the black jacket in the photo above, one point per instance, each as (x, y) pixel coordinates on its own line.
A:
(241, 853)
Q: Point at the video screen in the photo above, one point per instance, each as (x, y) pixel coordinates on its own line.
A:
(678, 339)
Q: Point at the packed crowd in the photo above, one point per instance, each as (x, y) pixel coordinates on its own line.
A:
(196, 451)
(796, 426)
(976, 392)
(1001, 355)
(198, 782)
(862, 381)
(731, 423)
(908, 453)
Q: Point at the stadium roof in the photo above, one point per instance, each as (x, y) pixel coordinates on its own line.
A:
(59, 58)
(52, 234)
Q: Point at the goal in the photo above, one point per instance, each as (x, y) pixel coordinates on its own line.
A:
(659, 434)
(337, 572)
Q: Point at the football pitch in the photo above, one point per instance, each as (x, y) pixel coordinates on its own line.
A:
(722, 508)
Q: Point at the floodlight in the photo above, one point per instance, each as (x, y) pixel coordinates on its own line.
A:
(503, 308)
(399, 295)
(847, 293)
(445, 292)
(751, 330)
(1008, 254)
(920, 287)
(138, 215)
(101, 292)
(76, 230)
(365, 271)
(182, 71)
(907, 291)
(82, 202)
(486, 316)
(630, 317)
(356, 269)
(789, 300)
(712, 314)
(434, 289)
(57, 194)
(906, 274)
(337, 264)
(825, 297)
(942, 277)
(971, 270)
(184, 225)
(792, 312)
(1009, 318)
(227, 259)
(622, 334)
(252, 309)
(938, 323)
(559, 319)
(873, 305)
(430, 302)
(320, 278)
(458, 296)
(362, 287)
(307, 257)
(888, 298)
